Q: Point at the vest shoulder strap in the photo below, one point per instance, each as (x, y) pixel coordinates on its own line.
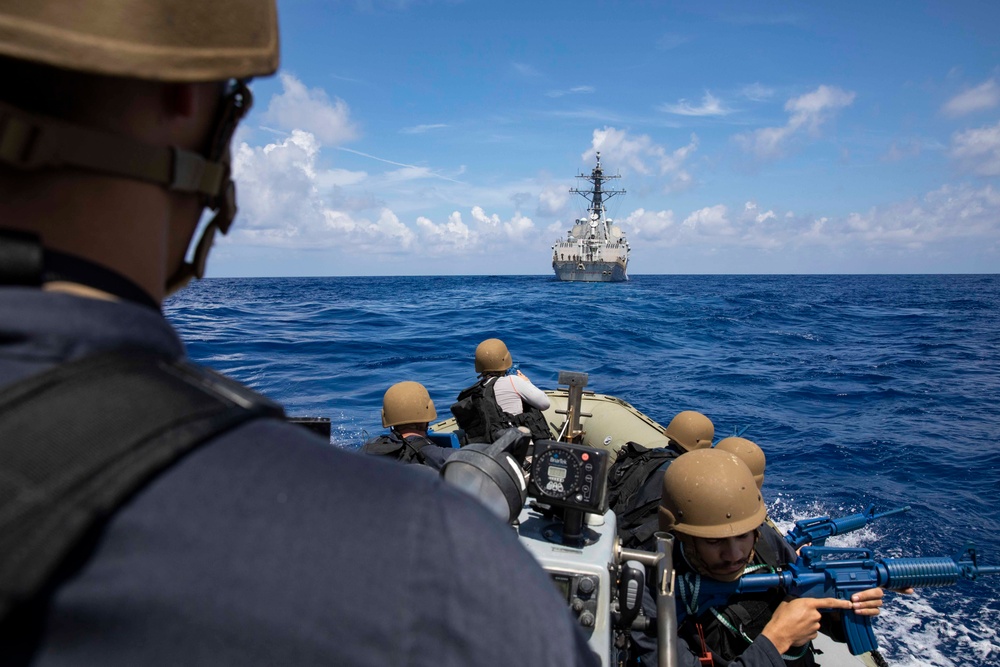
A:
(78, 440)
(383, 445)
(402, 449)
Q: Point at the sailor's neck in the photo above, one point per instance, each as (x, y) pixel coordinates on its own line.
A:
(118, 224)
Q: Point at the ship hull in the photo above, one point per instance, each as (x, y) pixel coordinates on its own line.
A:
(590, 272)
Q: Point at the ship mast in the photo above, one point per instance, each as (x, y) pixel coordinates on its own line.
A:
(597, 195)
(595, 249)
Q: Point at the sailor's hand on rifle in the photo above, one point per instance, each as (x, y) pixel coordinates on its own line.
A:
(867, 603)
(796, 622)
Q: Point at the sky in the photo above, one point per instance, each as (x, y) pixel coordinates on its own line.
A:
(442, 137)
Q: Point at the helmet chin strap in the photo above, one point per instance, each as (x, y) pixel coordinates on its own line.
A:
(220, 222)
(31, 141)
(236, 103)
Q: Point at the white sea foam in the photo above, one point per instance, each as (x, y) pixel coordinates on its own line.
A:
(913, 632)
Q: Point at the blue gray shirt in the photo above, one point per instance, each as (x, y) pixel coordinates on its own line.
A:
(268, 546)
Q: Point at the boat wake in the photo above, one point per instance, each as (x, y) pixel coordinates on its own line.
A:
(913, 632)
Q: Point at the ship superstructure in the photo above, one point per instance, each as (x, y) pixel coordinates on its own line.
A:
(594, 250)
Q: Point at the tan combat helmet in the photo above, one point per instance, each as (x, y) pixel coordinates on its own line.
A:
(690, 430)
(161, 40)
(710, 493)
(179, 41)
(492, 356)
(407, 403)
(748, 452)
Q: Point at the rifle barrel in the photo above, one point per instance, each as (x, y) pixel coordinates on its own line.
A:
(929, 572)
(898, 510)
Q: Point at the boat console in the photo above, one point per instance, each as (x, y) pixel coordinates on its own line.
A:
(561, 516)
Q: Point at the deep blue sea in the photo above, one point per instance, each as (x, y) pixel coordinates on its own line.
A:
(860, 389)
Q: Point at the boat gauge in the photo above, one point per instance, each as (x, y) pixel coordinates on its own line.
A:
(570, 475)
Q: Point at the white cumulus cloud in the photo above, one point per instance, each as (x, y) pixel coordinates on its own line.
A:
(949, 215)
(710, 106)
(650, 225)
(984, 96)
(711, 221)
(486, 221)
(484, 233)
(311, 110)
(806, 114)
(978, 150)
(950, 212)
(288, 200)
(552, 201)
(453, 233)
(643, 155)
(492, 227)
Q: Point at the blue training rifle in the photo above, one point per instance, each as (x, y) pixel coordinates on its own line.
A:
(846, 572)
(815, 531)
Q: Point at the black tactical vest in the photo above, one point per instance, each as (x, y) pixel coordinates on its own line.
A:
(479, 415)
(731, 629)
(634, 490)
(392, 445)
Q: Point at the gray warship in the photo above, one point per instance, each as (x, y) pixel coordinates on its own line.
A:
(594, 250)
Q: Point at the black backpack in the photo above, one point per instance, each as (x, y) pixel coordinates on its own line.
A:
(76, 442)
(479, 415)
(634, 489)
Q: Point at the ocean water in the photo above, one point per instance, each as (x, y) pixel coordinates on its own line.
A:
(860, 389)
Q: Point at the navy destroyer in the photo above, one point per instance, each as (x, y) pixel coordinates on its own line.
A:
(594, 250)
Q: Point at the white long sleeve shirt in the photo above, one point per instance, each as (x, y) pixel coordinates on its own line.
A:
(511, 390)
